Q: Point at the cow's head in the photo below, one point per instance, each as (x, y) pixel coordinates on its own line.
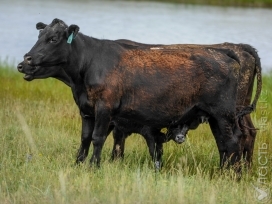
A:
(51, 51)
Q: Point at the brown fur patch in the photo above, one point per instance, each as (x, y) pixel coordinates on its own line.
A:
(245, 72)
(159, 59)
(175, 76)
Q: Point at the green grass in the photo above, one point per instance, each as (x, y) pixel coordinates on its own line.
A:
(40, 134)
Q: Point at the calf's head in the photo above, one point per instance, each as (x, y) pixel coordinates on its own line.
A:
(51, 52)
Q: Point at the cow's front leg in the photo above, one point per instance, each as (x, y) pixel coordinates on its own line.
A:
(102, 121)
(222, 149)
(86, 138)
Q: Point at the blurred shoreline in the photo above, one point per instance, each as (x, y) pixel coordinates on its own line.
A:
(231, 3)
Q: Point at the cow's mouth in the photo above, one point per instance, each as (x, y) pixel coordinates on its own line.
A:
(28, 77)
(38, 71)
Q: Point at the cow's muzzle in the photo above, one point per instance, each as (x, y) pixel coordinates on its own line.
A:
(20, 68)
(27, 70)
(180, 138)
(180, 134)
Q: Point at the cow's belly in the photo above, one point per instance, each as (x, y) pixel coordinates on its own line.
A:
(154, 111)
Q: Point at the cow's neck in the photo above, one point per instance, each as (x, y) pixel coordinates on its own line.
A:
(80, 57)
(62, 76)
(63, 80)
(86, 54)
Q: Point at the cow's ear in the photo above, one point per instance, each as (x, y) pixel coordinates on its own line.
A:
(40, 26)
(72, 29)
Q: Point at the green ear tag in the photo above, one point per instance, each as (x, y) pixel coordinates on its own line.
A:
(69, 41)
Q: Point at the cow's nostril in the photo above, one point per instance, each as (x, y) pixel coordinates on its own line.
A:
(28, 58)
(20, 67)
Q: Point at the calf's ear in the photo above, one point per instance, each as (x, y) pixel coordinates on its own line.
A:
(40, 26)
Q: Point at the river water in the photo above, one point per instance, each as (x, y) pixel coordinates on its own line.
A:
(146, 22)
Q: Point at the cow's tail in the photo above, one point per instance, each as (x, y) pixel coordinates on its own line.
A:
(258, 72)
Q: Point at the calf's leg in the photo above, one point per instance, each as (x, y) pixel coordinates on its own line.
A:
(119, 138)
(154, 139)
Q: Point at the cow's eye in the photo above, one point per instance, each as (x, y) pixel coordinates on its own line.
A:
(53, 40)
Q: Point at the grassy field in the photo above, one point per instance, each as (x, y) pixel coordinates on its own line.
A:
(40, 134)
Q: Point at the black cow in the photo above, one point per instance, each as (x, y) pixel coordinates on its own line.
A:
(152, 87)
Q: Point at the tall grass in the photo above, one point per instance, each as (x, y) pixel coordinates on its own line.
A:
(40, 134)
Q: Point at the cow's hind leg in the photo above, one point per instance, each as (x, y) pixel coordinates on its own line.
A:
(249, 132)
